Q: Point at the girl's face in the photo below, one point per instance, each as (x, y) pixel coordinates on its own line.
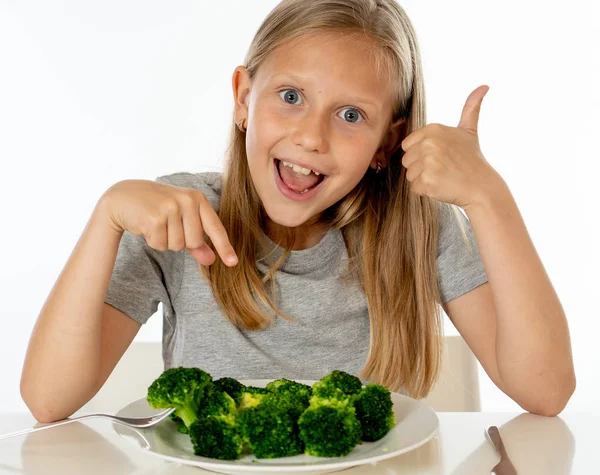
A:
(318, 101)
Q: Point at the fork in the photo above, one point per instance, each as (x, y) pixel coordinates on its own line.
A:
(135, 422)
(505, 466)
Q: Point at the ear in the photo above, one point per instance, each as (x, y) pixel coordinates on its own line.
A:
(391, 142)
(241, 83)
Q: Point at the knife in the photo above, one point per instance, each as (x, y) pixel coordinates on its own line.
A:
(505, 466)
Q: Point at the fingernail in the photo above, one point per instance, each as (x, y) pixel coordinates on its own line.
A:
(232, 259)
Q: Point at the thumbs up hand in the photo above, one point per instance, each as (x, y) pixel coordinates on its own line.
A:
(446, 163)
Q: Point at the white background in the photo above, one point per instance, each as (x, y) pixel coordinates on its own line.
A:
(95, 92)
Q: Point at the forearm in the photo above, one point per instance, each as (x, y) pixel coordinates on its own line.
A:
(533, 349)
(63, 356)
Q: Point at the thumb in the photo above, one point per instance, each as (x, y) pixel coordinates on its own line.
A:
(470, 114)
(203, 254)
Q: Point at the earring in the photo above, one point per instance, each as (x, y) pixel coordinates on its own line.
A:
(379, 167)
(240, 125)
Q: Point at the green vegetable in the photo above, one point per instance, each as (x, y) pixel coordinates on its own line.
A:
(231, 386)
(181, 388)
(226, 419)
(215, 433)
(329, 427)
(181, 427)
(270, 428)
(255, 390)
(374, 410)
(251, 396)
(337, 384)
(295, 392)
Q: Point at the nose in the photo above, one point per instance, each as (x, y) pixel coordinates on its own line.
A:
(311, 132)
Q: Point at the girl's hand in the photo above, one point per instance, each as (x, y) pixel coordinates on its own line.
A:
(169, 217)
(446, 163)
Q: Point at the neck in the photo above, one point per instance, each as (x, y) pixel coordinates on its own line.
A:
(307, 234)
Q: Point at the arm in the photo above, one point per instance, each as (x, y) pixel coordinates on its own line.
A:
(515, 323)
(64, 356)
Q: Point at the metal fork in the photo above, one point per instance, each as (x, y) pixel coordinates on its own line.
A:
(135, 422)
(505, 466)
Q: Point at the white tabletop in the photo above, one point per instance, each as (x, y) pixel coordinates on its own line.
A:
(536, 445)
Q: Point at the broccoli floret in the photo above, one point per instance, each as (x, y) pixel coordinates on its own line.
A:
(231, 386)
(291, 389)
(180, 424)
(293, 396)
(181, 428)
(216, 402)
(270, 428)
(329, 427)
(255, 390)
(215, 433)
(174, 417)
(181, 388)
(337, 384)
(251, 397)
(215, 437)
(374, 410)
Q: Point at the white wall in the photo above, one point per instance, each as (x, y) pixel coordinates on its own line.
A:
(95, 92)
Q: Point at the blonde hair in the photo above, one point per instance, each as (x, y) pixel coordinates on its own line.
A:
(391, 234)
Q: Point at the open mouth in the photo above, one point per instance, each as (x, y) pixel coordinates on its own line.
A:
(320, 178)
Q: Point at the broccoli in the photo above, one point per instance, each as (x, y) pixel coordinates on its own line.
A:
(337, 384)
(226, 419)
(292, 396)
(329, 427)
(181, 388)
(215, 438)
(232, 387)
(251, 396)
(270, 428)
(255, 390)
(215, 432)
(374, 410)
(181, 427)
(216, 403)
(292, 390)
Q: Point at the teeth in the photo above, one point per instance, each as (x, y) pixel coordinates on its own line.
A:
(297, 169)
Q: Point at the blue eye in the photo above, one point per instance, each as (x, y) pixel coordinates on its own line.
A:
(351, 116)
(291, 92)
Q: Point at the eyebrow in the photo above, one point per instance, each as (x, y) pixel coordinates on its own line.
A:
(300, 79)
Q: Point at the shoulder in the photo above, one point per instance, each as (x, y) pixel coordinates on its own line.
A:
(209, 183)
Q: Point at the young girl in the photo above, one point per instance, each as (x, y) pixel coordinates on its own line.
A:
(337, 230)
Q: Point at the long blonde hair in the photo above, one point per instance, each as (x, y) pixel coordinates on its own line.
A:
(391, 234)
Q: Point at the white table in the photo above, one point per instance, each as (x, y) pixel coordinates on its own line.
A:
(562, 445)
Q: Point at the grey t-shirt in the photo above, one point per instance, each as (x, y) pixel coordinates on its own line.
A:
(332, 322)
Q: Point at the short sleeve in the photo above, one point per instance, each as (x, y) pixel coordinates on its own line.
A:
(459, 266)
(142, 277)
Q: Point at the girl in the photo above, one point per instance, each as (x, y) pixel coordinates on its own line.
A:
(337, 227)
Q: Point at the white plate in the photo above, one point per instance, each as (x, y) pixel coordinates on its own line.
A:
(416, 424)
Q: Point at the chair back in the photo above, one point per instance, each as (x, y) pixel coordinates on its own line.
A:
(457, 389)
(141, 364)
